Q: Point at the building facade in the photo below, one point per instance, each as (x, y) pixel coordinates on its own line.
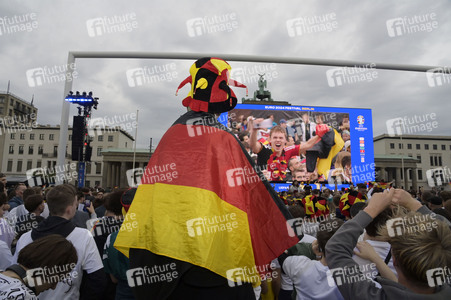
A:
(426, 160)
(14, 112)
(28, 149)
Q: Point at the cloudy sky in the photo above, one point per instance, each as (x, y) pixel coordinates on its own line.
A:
(36, 37)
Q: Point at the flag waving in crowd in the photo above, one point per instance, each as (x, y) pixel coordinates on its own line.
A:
(202, 203)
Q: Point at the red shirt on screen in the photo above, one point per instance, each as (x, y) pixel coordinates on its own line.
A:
(278, 165)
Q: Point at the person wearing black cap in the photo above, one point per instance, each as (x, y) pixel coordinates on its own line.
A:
(435, 202)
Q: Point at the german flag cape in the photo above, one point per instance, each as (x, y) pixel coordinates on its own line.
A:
(202, 201)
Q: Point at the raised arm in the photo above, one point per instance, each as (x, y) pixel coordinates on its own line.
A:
(366, 251)
(320, 131)
(256, 146)
(339, 251)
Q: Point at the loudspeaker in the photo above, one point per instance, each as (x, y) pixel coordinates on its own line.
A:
(78, 131)
(88, 153)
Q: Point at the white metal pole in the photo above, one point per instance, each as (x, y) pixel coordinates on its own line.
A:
(136, 136)
(252, 58)
(64, 124)
(194, 56)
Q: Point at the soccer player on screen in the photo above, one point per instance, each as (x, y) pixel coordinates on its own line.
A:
(278, 155)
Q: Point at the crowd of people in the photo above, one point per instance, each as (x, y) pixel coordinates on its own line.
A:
(346, 230)
(56, 243)
(281, 149)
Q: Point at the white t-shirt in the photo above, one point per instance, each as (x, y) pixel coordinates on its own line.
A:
(88, 260)
(368, 268)
(285, 282)
(310, 279)
(20, 210)
(12, 288)
(6, 258)
(7, 232)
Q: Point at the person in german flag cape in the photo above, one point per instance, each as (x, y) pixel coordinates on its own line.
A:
(205, 223)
